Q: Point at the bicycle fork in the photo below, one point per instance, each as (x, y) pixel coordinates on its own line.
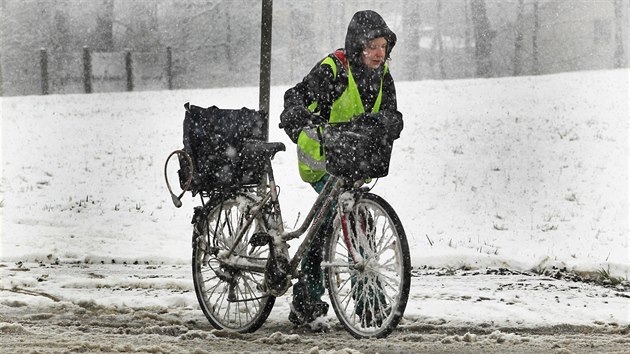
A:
(346, 206)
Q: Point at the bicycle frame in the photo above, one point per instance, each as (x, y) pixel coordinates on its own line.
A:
(332, 189)
(241, 261)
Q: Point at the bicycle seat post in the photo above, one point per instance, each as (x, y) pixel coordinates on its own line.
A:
(273, 191)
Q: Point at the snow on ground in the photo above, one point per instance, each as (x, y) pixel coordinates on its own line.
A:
(527, 173)
(519, 172)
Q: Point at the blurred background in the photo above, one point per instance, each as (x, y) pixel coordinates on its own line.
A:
(75, 46)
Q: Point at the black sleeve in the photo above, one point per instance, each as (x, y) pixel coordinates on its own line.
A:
(390, 116)
(315, 87)
(389, 102)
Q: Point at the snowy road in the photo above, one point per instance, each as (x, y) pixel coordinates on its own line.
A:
(87, 308)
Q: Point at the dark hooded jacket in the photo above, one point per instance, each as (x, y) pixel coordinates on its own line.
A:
(365, 26)
(321, 86)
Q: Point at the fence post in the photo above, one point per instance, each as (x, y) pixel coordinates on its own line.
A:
(129, 69)
(169, 68)
(87, 70)
(43, 63)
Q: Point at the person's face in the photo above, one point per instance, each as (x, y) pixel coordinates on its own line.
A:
(374, 52)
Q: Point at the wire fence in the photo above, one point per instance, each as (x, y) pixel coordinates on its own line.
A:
(90, 71)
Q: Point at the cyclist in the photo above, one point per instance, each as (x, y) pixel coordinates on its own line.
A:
(351, 84)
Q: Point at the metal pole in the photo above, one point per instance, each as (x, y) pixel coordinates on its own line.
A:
(265, 60)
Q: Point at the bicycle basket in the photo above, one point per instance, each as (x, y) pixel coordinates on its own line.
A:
(357, 152)
(214, 138)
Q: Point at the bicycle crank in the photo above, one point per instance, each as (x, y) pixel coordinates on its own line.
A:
(277, 281)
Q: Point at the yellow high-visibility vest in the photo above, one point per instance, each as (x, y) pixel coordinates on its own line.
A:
(311, 155)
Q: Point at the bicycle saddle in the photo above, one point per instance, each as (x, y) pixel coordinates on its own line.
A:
(261, 148)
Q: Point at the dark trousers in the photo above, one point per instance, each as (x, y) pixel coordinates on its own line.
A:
(310, 287)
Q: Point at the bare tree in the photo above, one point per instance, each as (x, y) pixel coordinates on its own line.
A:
(467, 33)
(301, 21)
(228, 39)
(469, 41)
(439, 37)
(483, 38)
(411, 46)
(60, 38)
(518, 39)
(620, 59)
(105, 26)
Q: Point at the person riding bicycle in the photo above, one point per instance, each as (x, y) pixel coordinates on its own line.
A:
(351, 84)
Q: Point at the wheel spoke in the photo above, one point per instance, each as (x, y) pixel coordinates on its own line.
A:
(369, 293)
(230, 297)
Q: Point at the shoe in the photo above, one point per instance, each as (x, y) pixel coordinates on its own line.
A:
(320, 309)
(295, 318)
(308, 313)
(317, 325)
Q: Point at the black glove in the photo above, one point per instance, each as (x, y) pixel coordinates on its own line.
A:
(366, 119)
(390, 123)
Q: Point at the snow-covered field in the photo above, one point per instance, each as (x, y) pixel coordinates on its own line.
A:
(527, 173)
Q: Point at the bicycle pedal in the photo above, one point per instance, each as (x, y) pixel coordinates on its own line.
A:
(260, 239)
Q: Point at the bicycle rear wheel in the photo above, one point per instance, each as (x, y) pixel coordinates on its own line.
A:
(231, 298)
(368, 268)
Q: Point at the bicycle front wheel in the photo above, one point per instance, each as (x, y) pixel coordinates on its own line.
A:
(232, 298)
(368, 268)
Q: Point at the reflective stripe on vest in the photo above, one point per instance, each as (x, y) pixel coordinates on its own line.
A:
(311, 156)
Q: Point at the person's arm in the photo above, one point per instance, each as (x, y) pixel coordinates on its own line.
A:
(315, 87)
(388, 115)
(389, 102)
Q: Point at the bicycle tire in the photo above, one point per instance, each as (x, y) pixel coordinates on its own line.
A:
(231, 299)
(368, 275)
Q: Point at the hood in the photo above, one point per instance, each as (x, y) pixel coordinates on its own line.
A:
(365, 26)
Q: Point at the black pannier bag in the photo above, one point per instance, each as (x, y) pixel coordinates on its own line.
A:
(357, 151)
(214, 138)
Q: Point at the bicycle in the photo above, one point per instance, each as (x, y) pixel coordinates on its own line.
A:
(241, 260)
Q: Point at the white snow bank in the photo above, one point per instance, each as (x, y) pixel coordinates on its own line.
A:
(524, 173)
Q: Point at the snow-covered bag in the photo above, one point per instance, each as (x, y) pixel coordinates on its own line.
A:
(357, 150)
(214, 138)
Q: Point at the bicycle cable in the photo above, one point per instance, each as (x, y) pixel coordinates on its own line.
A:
(177, 200)
(374, 185)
